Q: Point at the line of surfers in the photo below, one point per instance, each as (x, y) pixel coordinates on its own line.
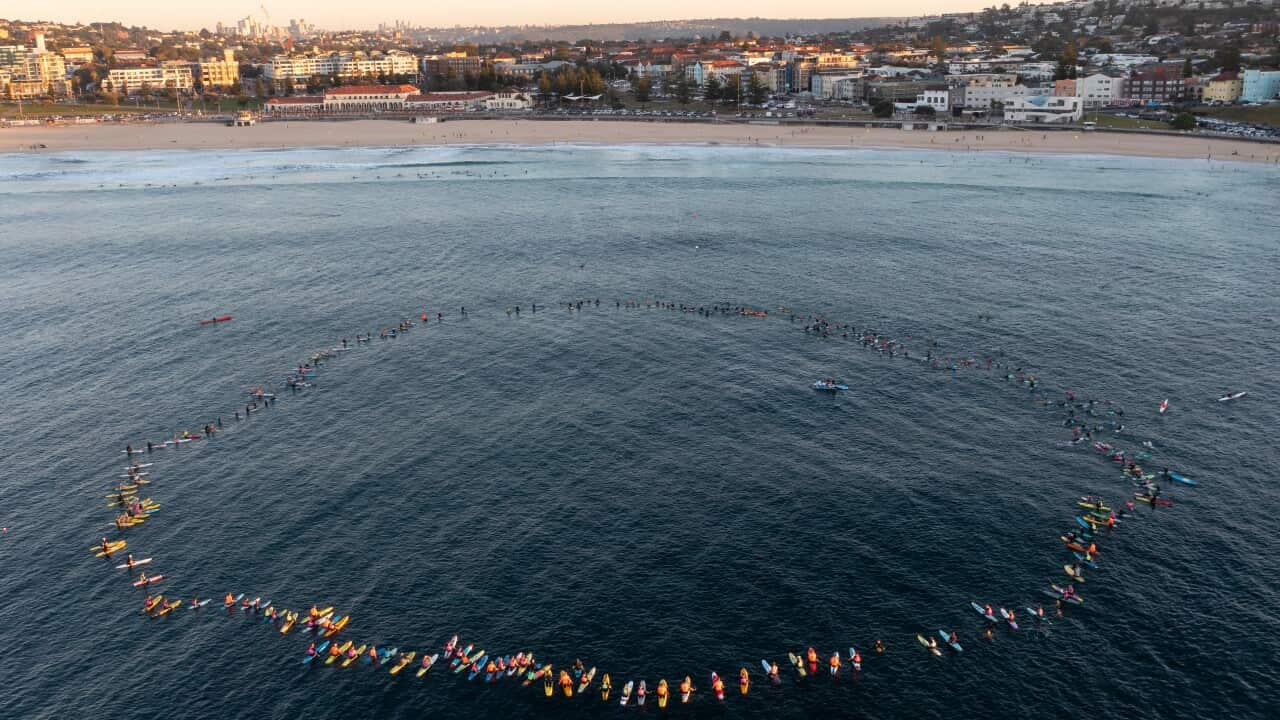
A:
(321, 621)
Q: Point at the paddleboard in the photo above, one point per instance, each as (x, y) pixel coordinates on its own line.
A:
(1181, 478)
(136, 563)
(626, 693)
(946, 638)
(202, 603)
(430, 663)
(934, 650)
(1072, 573)
(1008, 618)
(319, 651)
(1224, 398)
(982, 611)
(1088, 563)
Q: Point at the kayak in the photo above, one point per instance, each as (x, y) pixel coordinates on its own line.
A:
(626, 693)
(1181, 478)
(289, 622)
(586, 680)
(1093, 506)
(136, 563)
(1153, 501)
(353, 657)
(821, 386)
(152, 603)
(720, 691)
(946, 638)
(319, 649)
(404, 661)
(1008, 617)
(856, 663)
(219, 319)
(983, 612)
(148, 581)
(341, 649)
(115, 546)
(337, 626)
(932, 649)
(1072, 573)
(663, 693)
(168, 608)
(1232, 396)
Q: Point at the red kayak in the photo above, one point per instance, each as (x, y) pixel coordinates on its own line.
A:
(219, 319)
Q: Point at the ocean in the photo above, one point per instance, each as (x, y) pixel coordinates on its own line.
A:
(655, 492)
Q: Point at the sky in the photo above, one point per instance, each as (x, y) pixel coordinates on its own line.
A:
(335, 14)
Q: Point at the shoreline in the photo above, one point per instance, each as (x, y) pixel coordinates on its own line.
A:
(281, 134)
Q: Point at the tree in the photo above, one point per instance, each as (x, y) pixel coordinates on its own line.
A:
(756, 90)
(1184, 121)
(883, 109)
(683, 91)
(711, 89)
(926, 110)
(726, 36)
(1228, 58)
(732, 89)
(643, 87)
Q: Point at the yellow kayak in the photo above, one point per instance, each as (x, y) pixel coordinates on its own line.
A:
(288, 623)
(337, 626)
(359, 651)
(168, 608)
(341, 649)
(116, 546)
(404, 661)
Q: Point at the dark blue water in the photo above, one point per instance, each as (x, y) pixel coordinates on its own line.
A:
(658, 493)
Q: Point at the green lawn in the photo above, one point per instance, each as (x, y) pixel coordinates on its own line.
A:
(1124, 123)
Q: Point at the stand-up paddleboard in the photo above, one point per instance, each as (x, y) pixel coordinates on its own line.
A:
(1164, 405)
(1181, 478)
(626, 693)
(136, 563)
(853, 655)
(202, 603)
(1232, 396)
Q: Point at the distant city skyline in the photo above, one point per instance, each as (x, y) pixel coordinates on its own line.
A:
(334, 15)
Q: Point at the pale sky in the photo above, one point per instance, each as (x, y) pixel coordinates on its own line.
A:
(331, 14)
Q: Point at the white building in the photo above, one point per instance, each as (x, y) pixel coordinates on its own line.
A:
(824, 84)
(346, 65)
(981, 90)
(1046, 109)
(169, 75)
(939, 100)
(1099, 90)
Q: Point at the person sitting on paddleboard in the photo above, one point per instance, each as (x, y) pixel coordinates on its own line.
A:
(686, 685)
(311, 650)
(879, 647)
(834, 663)
(989, 611)
(952, 638)
(773, 670)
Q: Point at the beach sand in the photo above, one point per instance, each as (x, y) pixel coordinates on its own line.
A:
(382, 133)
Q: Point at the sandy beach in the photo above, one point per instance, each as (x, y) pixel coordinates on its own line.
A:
(381, 133)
